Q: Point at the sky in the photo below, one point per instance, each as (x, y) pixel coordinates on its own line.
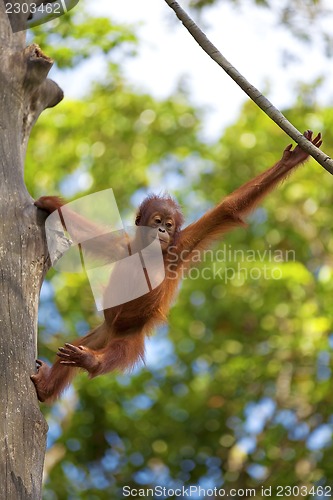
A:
(248, 37)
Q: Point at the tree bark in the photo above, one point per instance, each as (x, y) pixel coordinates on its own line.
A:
(24, 94)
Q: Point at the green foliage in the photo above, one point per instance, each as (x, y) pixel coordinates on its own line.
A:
(237, 388)
(243, 381)
(78, 35)
(108, 139)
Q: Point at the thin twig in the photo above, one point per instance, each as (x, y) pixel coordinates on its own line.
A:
(261, 101)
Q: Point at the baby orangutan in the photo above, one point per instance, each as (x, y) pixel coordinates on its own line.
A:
(118, 343)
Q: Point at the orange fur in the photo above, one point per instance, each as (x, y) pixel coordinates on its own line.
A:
(119, 342)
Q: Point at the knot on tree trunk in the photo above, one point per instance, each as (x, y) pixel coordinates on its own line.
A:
(40, 92)
(38, 65)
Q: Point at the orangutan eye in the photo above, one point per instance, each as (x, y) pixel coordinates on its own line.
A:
(158, 220)
(169, 225)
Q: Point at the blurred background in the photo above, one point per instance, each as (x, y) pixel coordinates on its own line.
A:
(236, 390)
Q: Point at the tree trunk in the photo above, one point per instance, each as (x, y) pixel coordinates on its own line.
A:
(24, 94)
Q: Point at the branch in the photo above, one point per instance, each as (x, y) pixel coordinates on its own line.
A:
(254, 94)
